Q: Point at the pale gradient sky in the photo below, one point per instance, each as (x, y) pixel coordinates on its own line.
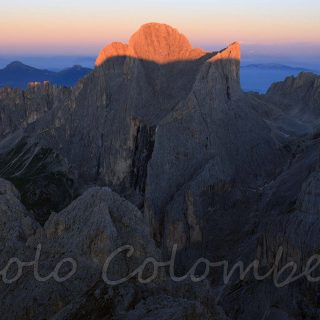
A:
(84, 27)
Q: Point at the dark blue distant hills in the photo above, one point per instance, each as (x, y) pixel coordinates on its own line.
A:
(259, 77)
(274, 66)
(18, 75)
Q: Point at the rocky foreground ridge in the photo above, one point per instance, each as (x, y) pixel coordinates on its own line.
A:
(157, 147)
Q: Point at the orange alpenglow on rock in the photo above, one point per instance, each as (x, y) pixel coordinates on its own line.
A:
(159, 43)
(233, 51)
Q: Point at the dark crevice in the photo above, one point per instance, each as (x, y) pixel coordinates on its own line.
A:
(228, 93)
(99, 157)
(143, 149)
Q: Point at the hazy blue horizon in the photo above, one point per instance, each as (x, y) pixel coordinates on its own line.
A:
(250, 55)
(64, 61)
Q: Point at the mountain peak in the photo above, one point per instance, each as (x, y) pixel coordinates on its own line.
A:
(17, 65)
(156, 42)
(160, 43)
(233, 51)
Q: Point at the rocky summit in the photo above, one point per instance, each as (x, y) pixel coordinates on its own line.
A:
(159, 152)
(154, 42)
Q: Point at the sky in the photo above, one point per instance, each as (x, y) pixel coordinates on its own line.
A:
(69, 27)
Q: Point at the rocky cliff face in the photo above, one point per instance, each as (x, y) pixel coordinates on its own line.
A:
(191, 161)
(20, 108)
(299, 94)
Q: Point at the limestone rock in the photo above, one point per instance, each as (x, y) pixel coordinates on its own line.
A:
(155, 42)
(22, 107)
(309, 198)
(163, 307)
(88, 231)
(300, 95)
(7, 188)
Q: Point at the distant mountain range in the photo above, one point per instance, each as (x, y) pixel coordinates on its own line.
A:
(275, 66)
(259, 77)
(18, 74)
